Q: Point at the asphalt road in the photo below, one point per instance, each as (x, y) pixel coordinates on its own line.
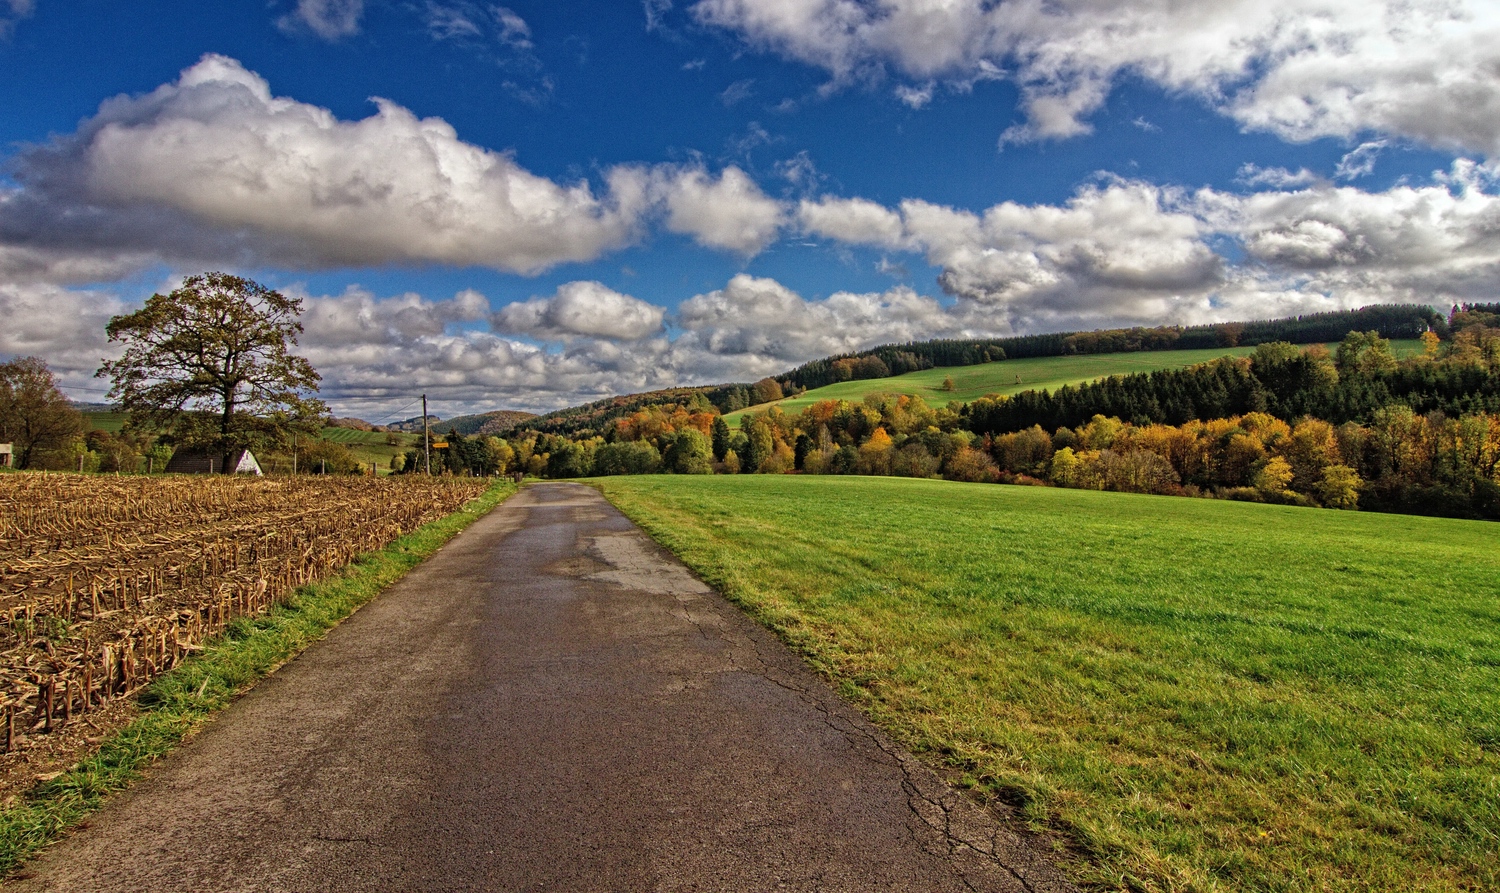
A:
(550, 703)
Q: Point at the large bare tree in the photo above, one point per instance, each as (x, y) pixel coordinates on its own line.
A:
(210, 365)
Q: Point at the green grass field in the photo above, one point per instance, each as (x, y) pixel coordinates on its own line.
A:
(371, 446)
(368, 438)
(104, 421)
(1201, 695)
(1012, 376)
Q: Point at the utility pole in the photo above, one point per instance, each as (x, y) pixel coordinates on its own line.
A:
(426, 438)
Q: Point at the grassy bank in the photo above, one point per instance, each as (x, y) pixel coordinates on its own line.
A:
(1204, 695)
(177, 704)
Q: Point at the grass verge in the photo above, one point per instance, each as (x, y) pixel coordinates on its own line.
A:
(1204, 695)
(181, 701)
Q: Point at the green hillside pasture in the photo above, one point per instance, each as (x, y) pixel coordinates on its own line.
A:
(98, 420)
(371, 446)
(1204, 695)
(1012, 376)
(354, 437)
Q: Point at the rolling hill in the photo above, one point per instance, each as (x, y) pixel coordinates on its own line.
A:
(1011, 376)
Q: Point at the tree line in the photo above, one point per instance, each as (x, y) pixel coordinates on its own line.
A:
(209, 365)
(1355, 427)
(1280, 379)
(1391, 321)
(595, 418)
(1399, 461)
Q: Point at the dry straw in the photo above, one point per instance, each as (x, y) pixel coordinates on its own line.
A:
(106, 582)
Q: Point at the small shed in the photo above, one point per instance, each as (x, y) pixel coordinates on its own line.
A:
(7, 455)
(196, 460)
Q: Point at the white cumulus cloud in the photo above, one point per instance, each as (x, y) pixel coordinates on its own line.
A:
(1431, 244)
(218, 147)
(1123, 250)
(729, 213)
(377, 353)
(754, 326)
(65, 327)
(358, 320)
(855, 221)
(582, 309)
(214, 170)
(1133, 253)
(213, 166)
(1302, 69)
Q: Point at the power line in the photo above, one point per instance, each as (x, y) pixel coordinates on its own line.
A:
(396, 413)
(68, 387)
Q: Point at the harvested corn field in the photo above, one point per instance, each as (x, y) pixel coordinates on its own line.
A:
(105, 582)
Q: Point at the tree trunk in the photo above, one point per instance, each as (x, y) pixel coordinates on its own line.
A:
(224, 423)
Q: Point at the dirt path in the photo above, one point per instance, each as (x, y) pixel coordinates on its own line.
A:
(549, 703)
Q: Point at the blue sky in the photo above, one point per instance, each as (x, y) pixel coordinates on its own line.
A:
(555, 201)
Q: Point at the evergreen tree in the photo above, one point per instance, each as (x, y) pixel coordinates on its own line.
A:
(720, 434)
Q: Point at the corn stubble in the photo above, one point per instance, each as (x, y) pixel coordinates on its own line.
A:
(107, 582)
